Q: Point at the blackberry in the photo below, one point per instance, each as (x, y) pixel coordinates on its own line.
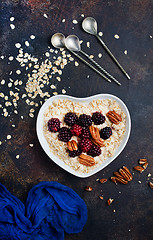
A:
(85, 133)
(64, 134)
(53, 125)
(106, 132)
(70, 118)
(74, 153)
(85, 144)
(85, 120)
(98, 118)
(94, 151)
(76, 130)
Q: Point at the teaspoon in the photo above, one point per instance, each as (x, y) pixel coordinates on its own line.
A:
(89, 25)
(72, 41)
(58, 41)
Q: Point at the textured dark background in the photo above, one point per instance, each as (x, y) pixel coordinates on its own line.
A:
(132, 21)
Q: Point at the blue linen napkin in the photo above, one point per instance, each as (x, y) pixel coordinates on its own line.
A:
(51, 208)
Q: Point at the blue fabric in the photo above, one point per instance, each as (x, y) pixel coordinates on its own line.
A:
(51, 208)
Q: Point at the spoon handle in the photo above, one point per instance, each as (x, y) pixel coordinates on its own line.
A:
(101, 68)
(113, 57)
(89, 65)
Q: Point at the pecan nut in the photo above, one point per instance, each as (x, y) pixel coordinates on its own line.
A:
(86, 160)
(109, 201)
(121, 180)
(72, 145)
(128, 173)
(94, 132)
(99, 142)
(103, 180)
(124, 174)
(88, 188)
(142, 161)
(139, 169)
(114, 117)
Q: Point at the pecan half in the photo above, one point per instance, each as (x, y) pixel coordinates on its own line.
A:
(117, 174)
(121, 180)
(86, 160)
(94, 132)
(114, 117)
(99, 142)
(72, 145)
(114, 179)
(145, 165)
(124, 174)
(103, 180)
(139, 169)
(109, 201)
(88, 188)
(142, 161)
(128, 173)
(151, 184)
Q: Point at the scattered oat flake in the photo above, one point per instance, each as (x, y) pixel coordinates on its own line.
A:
(32, 36)
(26, 43)
(31, 144)
(47, 54)
(150, 36)
(0, 142)
(116, 36)
(8, 137)
(149, 175)
(53, 86)
(55, 93)
(63, 91)
(12, 19)
(75, 21)
(82, 15)
(17, 156)
(101, 197)
(88, 44)
(114, 210)
(91, 56)
(13, 125)
(88, 76)
(18, 72)
(139, 182)
(76, 64)
(100, 34)
(125, 52)
(18, 45)
(12, 26)
(63, 20)
(97, 179)
(58, 79)
(3, 82)
(100, 55)
(11, 58)
(45, 15)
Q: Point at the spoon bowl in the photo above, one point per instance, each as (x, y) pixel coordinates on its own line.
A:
(58, 40)
(72, 43)
(89, 25)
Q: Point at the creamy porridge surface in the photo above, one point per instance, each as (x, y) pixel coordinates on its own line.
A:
(59, 108)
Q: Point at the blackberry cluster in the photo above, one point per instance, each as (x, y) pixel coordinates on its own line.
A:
(64, 134)
(94, 151)
(98, 118)
(85, 133)
(85, 144)
(75, 153)
(76, 130)
(106, 132)
(70, 119)
(85, 120)
(54, 125)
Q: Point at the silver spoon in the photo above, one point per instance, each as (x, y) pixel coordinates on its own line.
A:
(72, 41)
(89, 25)
(58, 41)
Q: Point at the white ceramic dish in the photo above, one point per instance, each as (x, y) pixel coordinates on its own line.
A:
(45, 146)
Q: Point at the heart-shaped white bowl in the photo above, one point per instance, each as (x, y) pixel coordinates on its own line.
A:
(45, 146)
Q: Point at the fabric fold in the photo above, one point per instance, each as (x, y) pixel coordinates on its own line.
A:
(51, 208)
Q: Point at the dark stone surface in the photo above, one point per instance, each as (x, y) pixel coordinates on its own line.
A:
(132, 21)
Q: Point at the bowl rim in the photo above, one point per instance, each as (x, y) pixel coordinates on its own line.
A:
(45, 146)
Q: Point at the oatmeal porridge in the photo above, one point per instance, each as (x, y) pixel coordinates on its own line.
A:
(100, 139)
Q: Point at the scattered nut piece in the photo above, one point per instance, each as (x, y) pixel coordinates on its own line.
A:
(139, 169)
(145, 165)
(142, 161)
(151, 184)
(101, 197)
(9, 137)
(88, 188)
(103, 180)
(75, 21)
(116, 36)
(109, 201)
